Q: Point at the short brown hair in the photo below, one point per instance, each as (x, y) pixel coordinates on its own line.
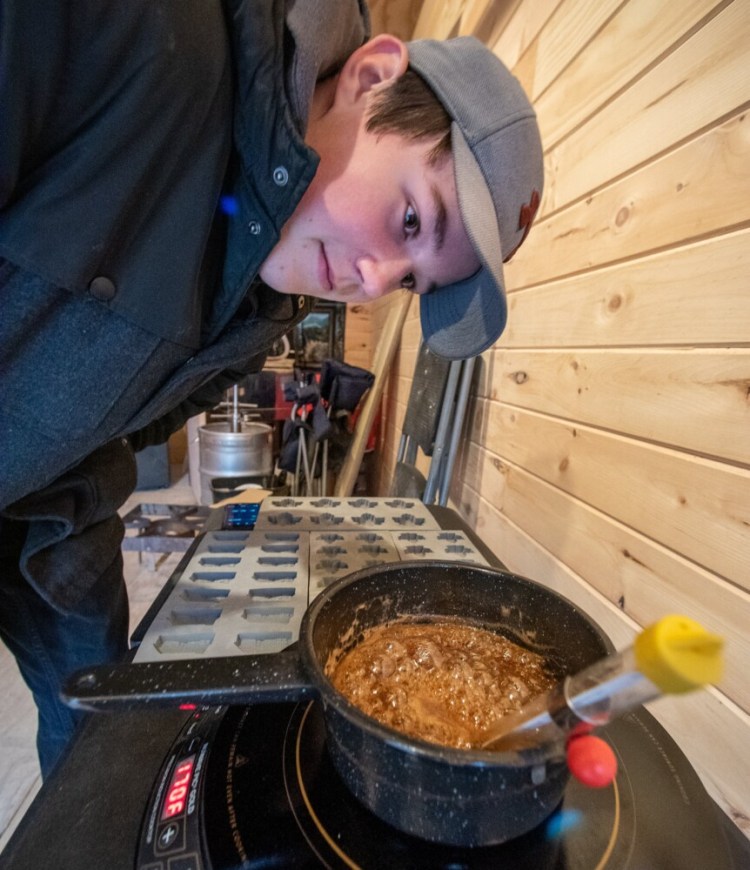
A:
(410, 108)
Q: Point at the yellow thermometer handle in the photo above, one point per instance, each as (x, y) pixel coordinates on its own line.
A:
(678, 655)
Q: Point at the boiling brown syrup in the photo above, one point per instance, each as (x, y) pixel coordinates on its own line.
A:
(445, 682)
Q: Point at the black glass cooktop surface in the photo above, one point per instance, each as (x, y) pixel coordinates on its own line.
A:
(254, 787)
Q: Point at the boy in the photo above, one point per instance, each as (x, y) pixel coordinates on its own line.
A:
(175, 179)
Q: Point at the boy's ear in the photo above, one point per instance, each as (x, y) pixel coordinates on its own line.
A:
(379, 61)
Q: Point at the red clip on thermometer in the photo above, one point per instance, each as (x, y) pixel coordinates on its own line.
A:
(673, 656)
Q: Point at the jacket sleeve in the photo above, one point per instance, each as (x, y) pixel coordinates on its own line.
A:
(208, 396)
(32, 60)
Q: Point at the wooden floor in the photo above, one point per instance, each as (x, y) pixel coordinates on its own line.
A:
(19, 768)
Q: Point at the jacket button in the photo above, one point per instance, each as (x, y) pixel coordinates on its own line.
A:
(301, 301)
(280, 175)
(103, 289)
(254, 227)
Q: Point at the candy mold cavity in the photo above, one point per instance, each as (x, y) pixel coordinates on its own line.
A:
(203, 593)
(263, 641)
(194, 642)
(195, 615)
(214, 576)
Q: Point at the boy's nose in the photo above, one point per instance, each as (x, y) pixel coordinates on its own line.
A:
(381, 276)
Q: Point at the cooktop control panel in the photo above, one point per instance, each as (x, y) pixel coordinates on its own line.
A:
(241, 516)
(248, 584)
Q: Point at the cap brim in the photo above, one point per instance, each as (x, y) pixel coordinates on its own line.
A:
(464, 319)
(467, 320)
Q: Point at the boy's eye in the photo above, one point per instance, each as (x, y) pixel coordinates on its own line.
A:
(411, 220)
(408, 282)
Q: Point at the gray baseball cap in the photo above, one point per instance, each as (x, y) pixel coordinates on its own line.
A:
(499, 172)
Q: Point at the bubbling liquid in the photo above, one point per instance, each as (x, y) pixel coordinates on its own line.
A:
(442, 681)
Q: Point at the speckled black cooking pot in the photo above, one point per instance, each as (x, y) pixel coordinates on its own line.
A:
(465, 798)
(452, 796)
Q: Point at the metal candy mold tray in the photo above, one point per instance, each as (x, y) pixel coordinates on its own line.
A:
(345, 514)
(246, 591)
(241, 592)
(334, 554)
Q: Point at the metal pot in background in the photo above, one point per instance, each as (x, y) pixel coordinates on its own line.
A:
(441, 794)
(247, 452)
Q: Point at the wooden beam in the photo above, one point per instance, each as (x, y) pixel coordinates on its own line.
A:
(388, 341)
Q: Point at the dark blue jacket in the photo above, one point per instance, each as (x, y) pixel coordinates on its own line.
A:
(150, 154)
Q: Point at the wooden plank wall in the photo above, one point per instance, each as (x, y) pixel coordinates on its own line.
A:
(608, 453)
(358, 336)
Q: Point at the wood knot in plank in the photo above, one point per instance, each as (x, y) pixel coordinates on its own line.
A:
(622, 216)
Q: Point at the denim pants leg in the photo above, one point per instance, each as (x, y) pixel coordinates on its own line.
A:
(48, 645)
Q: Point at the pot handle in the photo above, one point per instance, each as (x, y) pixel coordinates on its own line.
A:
(270, 678)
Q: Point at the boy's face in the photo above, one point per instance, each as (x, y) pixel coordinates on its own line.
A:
(376, 216)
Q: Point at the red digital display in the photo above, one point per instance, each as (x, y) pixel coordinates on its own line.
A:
(179, 786)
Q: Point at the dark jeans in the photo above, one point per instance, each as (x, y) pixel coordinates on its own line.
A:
(49, 645)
